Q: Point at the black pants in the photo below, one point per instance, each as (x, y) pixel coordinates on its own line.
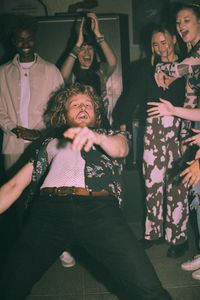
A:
(97, 224)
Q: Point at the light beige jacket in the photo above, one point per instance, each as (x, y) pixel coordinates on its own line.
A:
(44, 79)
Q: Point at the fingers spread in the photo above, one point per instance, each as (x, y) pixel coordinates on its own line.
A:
(82, 138)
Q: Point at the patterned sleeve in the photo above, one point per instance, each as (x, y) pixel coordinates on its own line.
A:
(191, 97)
(113, 132)
(40, 163)
(189, 65)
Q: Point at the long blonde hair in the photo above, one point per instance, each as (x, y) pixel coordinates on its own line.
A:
(163, 28)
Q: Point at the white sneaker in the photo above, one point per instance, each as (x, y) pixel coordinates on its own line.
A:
(67, 261)
(196, 275)
(192, 265)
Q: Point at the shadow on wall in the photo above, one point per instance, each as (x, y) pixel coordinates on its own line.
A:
(7, 50)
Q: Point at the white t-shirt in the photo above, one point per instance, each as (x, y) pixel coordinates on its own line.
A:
(25, 93)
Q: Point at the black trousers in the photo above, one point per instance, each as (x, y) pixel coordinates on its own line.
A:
(97, 224)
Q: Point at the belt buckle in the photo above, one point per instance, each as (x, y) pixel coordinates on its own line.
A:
(58, 191)
(73, 190)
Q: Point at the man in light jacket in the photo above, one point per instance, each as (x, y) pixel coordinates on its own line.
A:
(25, 86)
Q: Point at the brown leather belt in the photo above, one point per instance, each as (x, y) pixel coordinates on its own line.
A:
(64, 191)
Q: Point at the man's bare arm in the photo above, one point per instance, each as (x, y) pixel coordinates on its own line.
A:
(11, 190)
(114, 146)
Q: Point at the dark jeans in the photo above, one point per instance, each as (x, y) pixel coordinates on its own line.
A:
(96, 224)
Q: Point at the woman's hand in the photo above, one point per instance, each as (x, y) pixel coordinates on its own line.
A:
(94, 24)
(192, 173)
(197, 156)
(80, 35)
(163, 108)
(162, 80)
(195, 139)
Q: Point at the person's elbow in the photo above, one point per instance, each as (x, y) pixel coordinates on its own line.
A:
(123, 148)
(113, 63)
(6, 193)
(124, 151)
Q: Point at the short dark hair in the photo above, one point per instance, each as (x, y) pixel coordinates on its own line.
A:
(24, 22)
(55, 111)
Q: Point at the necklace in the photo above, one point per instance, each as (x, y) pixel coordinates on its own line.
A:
(25, 67)
(26, 71)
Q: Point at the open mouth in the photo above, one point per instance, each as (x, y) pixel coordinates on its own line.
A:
(87, 59)
(184, 33)
(26, 50)
(83, 116)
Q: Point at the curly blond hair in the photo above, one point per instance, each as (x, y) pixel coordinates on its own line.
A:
(56, 110)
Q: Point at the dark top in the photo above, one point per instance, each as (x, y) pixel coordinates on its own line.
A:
(190, 67)
(143, 89)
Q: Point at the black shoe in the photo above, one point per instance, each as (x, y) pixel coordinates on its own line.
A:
(146, 244)
(176, 251)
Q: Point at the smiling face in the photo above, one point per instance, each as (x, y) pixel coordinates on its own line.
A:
(80, 111)
(86, 56)
(163, 45)
(24, 43)
(188, 26)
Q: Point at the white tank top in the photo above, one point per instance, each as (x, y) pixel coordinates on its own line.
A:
(66, 166)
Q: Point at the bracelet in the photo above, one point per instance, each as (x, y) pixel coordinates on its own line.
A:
(75, 52)
(100, 39)
(73, 55)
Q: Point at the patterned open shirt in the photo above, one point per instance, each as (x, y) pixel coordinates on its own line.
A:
(101, 171)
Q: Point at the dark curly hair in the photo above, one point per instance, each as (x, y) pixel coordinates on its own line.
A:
(55, 111)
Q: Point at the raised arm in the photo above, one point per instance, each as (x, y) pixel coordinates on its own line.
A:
(108, 52)
(113, 145)
(11, 190)
(66, 69)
